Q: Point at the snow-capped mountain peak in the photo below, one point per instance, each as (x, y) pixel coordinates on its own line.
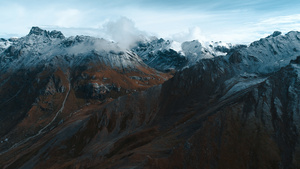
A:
(167, 54)
(268, 54)
(40, 32)
(41, 47)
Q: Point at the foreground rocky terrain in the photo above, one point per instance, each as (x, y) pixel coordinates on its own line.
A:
(238, 110)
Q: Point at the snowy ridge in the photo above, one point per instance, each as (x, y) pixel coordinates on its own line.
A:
(263, 56)
(197, 51)
(4, 44)
(143, 49)
(159, 54)
(166, 54)
(42, 47)
(268, 54)
(218, 48)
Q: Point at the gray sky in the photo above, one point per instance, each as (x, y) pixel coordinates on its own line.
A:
(233, 21)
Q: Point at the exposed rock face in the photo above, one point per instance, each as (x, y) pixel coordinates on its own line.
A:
(235, 111)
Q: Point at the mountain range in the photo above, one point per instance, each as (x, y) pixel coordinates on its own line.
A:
(85, 102)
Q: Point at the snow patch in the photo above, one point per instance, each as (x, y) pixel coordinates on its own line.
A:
(176, 46)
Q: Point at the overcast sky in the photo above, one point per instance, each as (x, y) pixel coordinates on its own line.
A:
(233, 21)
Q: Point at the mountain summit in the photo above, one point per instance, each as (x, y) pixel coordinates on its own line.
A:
(52, 34)
(42, 47)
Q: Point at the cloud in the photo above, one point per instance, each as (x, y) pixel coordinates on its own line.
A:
(230, 21)
(251, 31)
(281, 23)
(265, 27)
(124, 32)
(289, 19)
(193, 33)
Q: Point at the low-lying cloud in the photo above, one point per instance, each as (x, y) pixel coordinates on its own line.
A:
(124, 32)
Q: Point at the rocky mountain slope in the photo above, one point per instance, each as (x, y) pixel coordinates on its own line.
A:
(45, 77)
(240, 110)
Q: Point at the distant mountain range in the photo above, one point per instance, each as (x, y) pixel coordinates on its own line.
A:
(85, 102)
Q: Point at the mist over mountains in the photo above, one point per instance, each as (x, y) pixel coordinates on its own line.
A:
(141, 101)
